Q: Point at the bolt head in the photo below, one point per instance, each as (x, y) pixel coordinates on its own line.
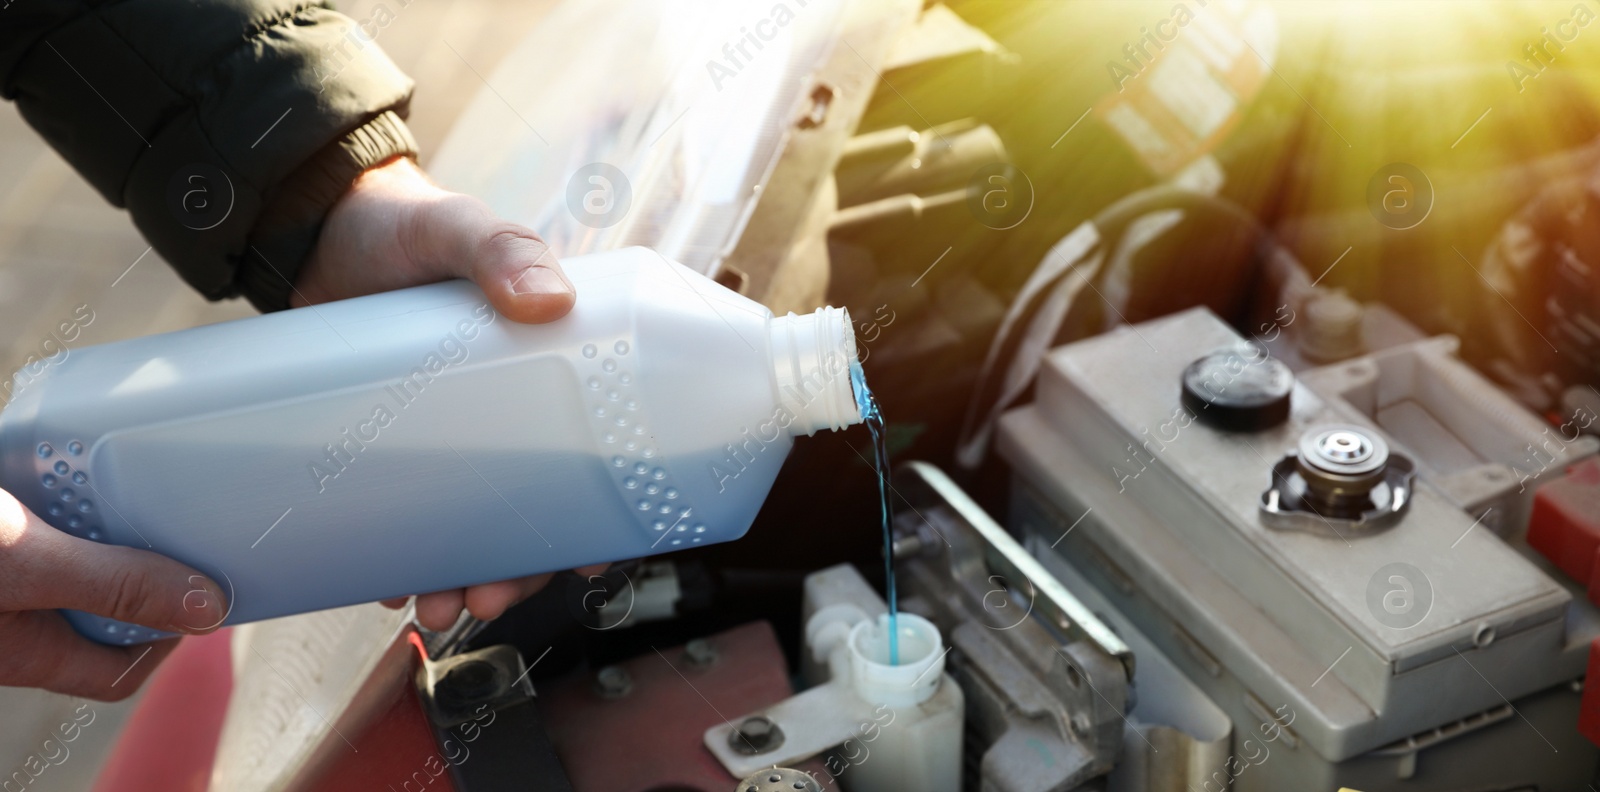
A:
(755, 735)
(470, 680)
(613, 682)
(1079, 726)
(699, 653)
(759, 728)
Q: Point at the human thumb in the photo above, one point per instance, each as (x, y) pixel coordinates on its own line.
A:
(50, 569)
(513, 266)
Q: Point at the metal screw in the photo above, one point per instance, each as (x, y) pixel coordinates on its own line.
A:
(1079, 726)
(755, 735)
(613, 682)
(821, 100)
(699, 653)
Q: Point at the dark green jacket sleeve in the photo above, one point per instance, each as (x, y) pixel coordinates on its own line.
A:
(227, 128)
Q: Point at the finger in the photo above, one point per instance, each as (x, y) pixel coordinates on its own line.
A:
(490, 600)
(59, 660)
(395, 603)
(592, 569)
(513, 266)
(43, 568)
(439, 610)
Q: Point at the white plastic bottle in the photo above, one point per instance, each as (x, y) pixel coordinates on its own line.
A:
(416, 441)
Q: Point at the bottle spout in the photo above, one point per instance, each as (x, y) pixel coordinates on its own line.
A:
(814, 363)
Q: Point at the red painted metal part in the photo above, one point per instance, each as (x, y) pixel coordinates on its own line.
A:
(169, 743)
(395, 748)
(1565, 528)
(1589, 706)
(1565, 524)
(651, 738)
(170, 739)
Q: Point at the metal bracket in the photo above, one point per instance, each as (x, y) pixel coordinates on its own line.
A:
(481, 705)
(926, 487)
(1043, 676)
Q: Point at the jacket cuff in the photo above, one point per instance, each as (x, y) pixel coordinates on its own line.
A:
(291, 221)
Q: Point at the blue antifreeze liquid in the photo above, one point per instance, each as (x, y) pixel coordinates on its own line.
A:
(873, 418)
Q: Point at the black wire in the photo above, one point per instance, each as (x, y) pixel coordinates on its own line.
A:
(1111, 224)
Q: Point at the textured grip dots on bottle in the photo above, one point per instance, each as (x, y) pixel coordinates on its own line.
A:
(120, 632)
(67, 507)
(617, 415)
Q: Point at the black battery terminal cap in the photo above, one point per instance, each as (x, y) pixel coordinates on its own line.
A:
(1241, 389)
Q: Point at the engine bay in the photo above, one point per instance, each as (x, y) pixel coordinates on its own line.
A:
(1238, 366)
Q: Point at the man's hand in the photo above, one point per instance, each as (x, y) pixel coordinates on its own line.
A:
(394, 229)
(42, 569)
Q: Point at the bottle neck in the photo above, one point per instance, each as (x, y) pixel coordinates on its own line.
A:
(811, 359)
